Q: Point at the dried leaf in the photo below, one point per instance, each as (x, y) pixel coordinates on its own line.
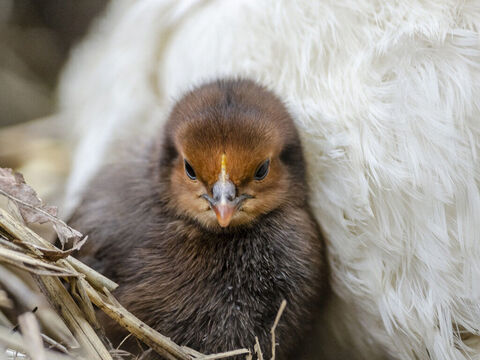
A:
(57, 254)
(14, 185)
(31, 207)
(66, 233)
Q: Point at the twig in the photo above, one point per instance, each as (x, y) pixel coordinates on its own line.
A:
(31, 264)
(123, 341)
(54, 344)
(58, 296)
(31, 334)
(258, 349)
(194, 353)
(20, 231)
(29, 298)
(96, 279)
(78, 291)
(61, 300)
(225, 354)
(277, 319)
(28, 236)
(15, 342)
(8, 244)
(159, 343)
(145, 355)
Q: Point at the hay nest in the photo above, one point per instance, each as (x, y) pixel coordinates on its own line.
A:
(48, 298)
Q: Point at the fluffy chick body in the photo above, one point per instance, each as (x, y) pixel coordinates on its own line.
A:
(210, 287)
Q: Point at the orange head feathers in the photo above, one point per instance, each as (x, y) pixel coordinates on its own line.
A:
(231, 153)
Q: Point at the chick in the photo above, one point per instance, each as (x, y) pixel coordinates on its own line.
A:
(208, 228)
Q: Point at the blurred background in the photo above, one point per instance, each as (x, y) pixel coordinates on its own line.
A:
(35, 39)
(386, 97)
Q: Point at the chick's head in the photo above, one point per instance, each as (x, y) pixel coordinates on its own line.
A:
(231, 154)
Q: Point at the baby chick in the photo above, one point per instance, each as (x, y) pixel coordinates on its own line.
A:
(208, 229)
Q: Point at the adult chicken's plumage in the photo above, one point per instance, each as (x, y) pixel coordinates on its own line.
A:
(207, 228)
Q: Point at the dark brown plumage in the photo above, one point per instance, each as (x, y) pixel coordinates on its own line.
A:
(205, 252)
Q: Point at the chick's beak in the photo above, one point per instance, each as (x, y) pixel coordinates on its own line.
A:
(224, 213)
(224, 203)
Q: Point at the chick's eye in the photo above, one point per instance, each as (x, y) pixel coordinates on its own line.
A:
(189, 170)
(262, 170)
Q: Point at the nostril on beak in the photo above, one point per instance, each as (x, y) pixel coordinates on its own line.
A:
(223, 191)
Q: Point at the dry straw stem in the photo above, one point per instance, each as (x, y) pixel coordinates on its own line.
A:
(16, 342)
(54, 344)
(31, 334)
(91, 346)
(27, 236)
(274, 327)
(31, 264)
(97, 280)
(258, 349)
(80, 294)
(225, 354)
(161, 344)
(30, 299)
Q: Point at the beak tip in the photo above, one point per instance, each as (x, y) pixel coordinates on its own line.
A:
(224, 214)
(223, 225)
